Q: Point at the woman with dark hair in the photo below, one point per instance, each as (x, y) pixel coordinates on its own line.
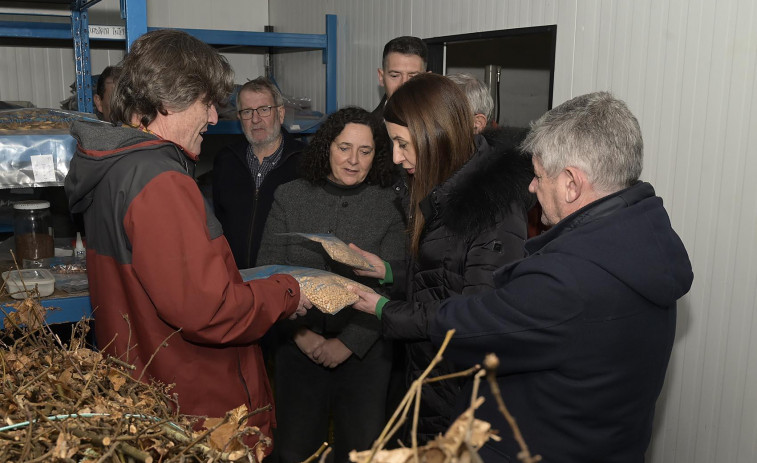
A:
(334, 365)
(466, 199)
(170, 300)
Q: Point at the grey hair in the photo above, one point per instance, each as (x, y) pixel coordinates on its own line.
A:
(478, 94)
(262, 84)
(595, 132)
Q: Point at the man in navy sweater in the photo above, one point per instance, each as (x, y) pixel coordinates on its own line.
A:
(584, 325)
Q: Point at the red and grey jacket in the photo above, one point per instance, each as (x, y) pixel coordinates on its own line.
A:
(160, 270)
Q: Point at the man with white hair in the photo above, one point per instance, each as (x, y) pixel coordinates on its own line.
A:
(584, 325)
(479, 97)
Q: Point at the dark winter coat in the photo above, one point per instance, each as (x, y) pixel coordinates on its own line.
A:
(168, 297)
(583, 328)
(378, 111)
(475, 222)
(241, 209)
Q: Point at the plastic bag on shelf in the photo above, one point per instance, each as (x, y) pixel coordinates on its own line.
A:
(36, 147)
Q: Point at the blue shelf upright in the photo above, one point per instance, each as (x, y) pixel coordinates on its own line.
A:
(80, 34)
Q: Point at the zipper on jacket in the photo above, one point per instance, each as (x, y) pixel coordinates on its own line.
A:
(248, 264)
(244, 383)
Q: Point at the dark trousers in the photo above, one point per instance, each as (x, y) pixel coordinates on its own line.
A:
(308, 395)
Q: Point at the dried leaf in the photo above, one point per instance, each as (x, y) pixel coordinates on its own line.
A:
(66, 377)
(66, 446)
(42, 378)
(117, 379)
(28, 313)
(225, 437)
(262, 446)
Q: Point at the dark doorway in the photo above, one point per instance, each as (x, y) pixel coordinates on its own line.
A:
(517, 64)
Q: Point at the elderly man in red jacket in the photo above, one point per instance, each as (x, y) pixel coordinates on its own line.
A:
(167, 294)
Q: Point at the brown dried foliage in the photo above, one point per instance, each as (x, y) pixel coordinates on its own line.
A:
(463, 439)
(67, 402)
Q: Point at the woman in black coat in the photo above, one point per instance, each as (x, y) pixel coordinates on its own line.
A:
(466, 199)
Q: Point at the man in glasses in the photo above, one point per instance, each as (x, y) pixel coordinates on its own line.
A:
(246, 173)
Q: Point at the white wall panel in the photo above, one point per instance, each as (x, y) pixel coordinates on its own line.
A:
(687, 70)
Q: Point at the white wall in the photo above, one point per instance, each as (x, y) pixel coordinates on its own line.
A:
(43, 75)
(687, 70)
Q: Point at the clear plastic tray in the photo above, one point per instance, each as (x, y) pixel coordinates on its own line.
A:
(19, 283)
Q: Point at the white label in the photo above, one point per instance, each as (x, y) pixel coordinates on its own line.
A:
(107, 32)
(43, 168)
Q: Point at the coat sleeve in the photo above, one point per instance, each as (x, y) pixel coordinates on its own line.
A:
(492, 249)
(191, 278)
(486, 252)
(394, 250)
(524, 321)
(364, 329)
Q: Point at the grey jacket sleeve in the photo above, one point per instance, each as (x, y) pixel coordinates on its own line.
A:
(365, 329)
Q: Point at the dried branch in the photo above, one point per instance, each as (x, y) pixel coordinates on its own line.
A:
(491, 362)
(317, 453)
(70, 403)
(162, 344)
(400, 414)
(460, 374)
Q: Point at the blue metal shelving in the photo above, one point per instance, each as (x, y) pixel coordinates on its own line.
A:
(134, 13)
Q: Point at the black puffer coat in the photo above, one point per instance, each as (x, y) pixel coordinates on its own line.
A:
(475, 223)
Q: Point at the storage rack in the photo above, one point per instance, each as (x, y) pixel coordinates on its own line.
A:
(134, 13)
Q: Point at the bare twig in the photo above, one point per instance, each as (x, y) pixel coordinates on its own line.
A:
(460, 374)
(491, 362)
(317, 453)
(162, 344)
(400, 414)
(325, 454)
(119, 362)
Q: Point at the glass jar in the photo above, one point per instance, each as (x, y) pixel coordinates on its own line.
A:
(32, 230)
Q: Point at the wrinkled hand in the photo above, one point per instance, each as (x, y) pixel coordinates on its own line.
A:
(302, 307)
(379, 271)
(308, 341)
(331, 353)
(367, 301)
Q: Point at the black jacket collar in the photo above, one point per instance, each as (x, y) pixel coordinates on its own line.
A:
(591, 212)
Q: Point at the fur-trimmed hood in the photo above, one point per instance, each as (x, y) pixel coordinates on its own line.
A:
(485, 188)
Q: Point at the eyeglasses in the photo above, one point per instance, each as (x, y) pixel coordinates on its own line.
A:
(263, 111)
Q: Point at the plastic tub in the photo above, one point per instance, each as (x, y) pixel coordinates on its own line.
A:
(31, 277)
